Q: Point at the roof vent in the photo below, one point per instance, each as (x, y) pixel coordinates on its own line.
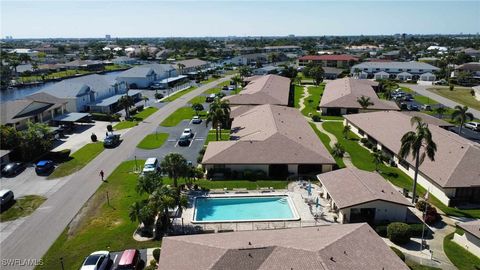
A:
(383, 191)
(331, 259)
(345, 252)
(249, 243)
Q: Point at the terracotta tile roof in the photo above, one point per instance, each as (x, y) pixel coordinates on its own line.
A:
(349, 187)
(333, 247)
(329, 57)
(343, 93)
(269, 89)
(269, 134)
(457, 160)
(472, 227)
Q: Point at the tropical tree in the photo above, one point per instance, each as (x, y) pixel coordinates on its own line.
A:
(162, 200)
(338, 150)
(346, 131)
(197, 107)
(461, 115)
(244, 71)
(148, 183)
(419, 144)
(377, 158)
(175, 166)
(218, 114)
(126, 102)
(181, 67)
(144, 213)
(298, 80)
(364, 102)
(441, 110)
(237, 80)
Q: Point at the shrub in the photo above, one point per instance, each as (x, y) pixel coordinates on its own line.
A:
(363, 140)
(105, 117)
(133, 111)
(421, 204)
(316, 118)
(248, 174)
(140, 108)
(381, 230)
(398, 232)
(158, 96)
(110, 128)
(153, 264)
(368, 144)
(156, 254)
(259, 174)
(399, 253)
(431, 217)
(93, 137)
(416, 230)
(59, 156)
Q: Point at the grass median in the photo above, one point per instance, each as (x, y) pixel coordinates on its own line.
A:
(22, 207)
(139, 117)
(326, 142)
(459, 95)
(179, 94)
(78, 160)
(179, 115)
(153, 141)
(297, 95)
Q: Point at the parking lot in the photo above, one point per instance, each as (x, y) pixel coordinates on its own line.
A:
(190, 152)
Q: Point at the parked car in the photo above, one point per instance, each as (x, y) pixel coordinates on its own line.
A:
(151, 165)
(111, 140)
(210, 98)
(403, 106)
(44, 167)
(413, 107)
(473, 126)
(427, 107)
(441, 82)
(6, 197)
(196, 120)
(220, 95)
(225, 87)
(12, 169)
(188, 132)
(99, 260)
(184, 140)
(231, 87)
(130, 260)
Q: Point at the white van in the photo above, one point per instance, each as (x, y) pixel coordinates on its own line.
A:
(151, 165)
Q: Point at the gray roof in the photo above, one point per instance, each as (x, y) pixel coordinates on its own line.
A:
(350, 186)
(396, 65)
(457, 160)
(339, 247)
(71, 117)
(75, 87)
(472, 227)
(269, 134)
(16, 110)
(113, 99)
(136, 72)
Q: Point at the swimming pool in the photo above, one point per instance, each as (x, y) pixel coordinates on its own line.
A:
(245, 208)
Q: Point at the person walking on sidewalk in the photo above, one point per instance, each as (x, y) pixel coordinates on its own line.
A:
(102, 174)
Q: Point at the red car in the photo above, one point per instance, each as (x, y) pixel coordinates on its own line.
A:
(130, 260)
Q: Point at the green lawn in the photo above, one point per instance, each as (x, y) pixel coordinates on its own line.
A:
(79, 159)
(180, 114)
(223, 136)
(362, 159)
(326, 142)
(115, 67)
(298, 94)
(459, 95)
(459, 256)
(153, 141)
(23, 206)
(197, 99)
(179, 94)
(217, 88)
(419, 98)
(102, 227)
(54, 75)
(139, 117)
(313, 99)
(416, 266)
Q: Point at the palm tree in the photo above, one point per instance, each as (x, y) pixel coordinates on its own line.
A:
(163, 199)
(148, 183)
(143, 213)
(420, 144)
(237, 80)
(298, 80)
(356, 72)
(338, 150)
(461, 115)
(441, 110)
(377, 158)
(180, 67)
(364, 102)
(218, 114)
(175, 165)
(346, 131)
(126, 102)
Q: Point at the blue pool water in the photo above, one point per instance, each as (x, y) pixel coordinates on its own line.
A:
(243, 209)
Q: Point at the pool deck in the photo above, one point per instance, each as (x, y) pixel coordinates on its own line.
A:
(297, 194)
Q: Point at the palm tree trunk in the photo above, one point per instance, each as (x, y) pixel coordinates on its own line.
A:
(414, 189)
(460, 128)
(216, 131)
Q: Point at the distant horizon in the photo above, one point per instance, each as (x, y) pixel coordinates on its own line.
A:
(72, 19)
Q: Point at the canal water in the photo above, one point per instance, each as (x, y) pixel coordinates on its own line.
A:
(19, 93)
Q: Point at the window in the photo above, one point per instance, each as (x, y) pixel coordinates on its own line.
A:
(400, 69)
(409, 70)
(387, 69)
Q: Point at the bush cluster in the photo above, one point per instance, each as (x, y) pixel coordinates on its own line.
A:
(59, 156)
(316, 118)
(398, 232)
(105, 117)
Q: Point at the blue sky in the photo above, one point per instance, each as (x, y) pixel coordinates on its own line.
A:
(127, 18)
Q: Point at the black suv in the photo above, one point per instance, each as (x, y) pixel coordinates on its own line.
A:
(111, 141)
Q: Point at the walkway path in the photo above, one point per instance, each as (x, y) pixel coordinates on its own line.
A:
(422, 90)
(33, 238)
(333, 140)
(301, 101)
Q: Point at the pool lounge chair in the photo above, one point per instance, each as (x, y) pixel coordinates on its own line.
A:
(240, 190)
(217, 191)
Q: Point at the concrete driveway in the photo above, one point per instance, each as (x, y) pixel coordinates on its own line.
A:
(33, 238)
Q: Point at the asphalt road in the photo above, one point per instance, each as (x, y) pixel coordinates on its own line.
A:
(33, 238)
(422, 90)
